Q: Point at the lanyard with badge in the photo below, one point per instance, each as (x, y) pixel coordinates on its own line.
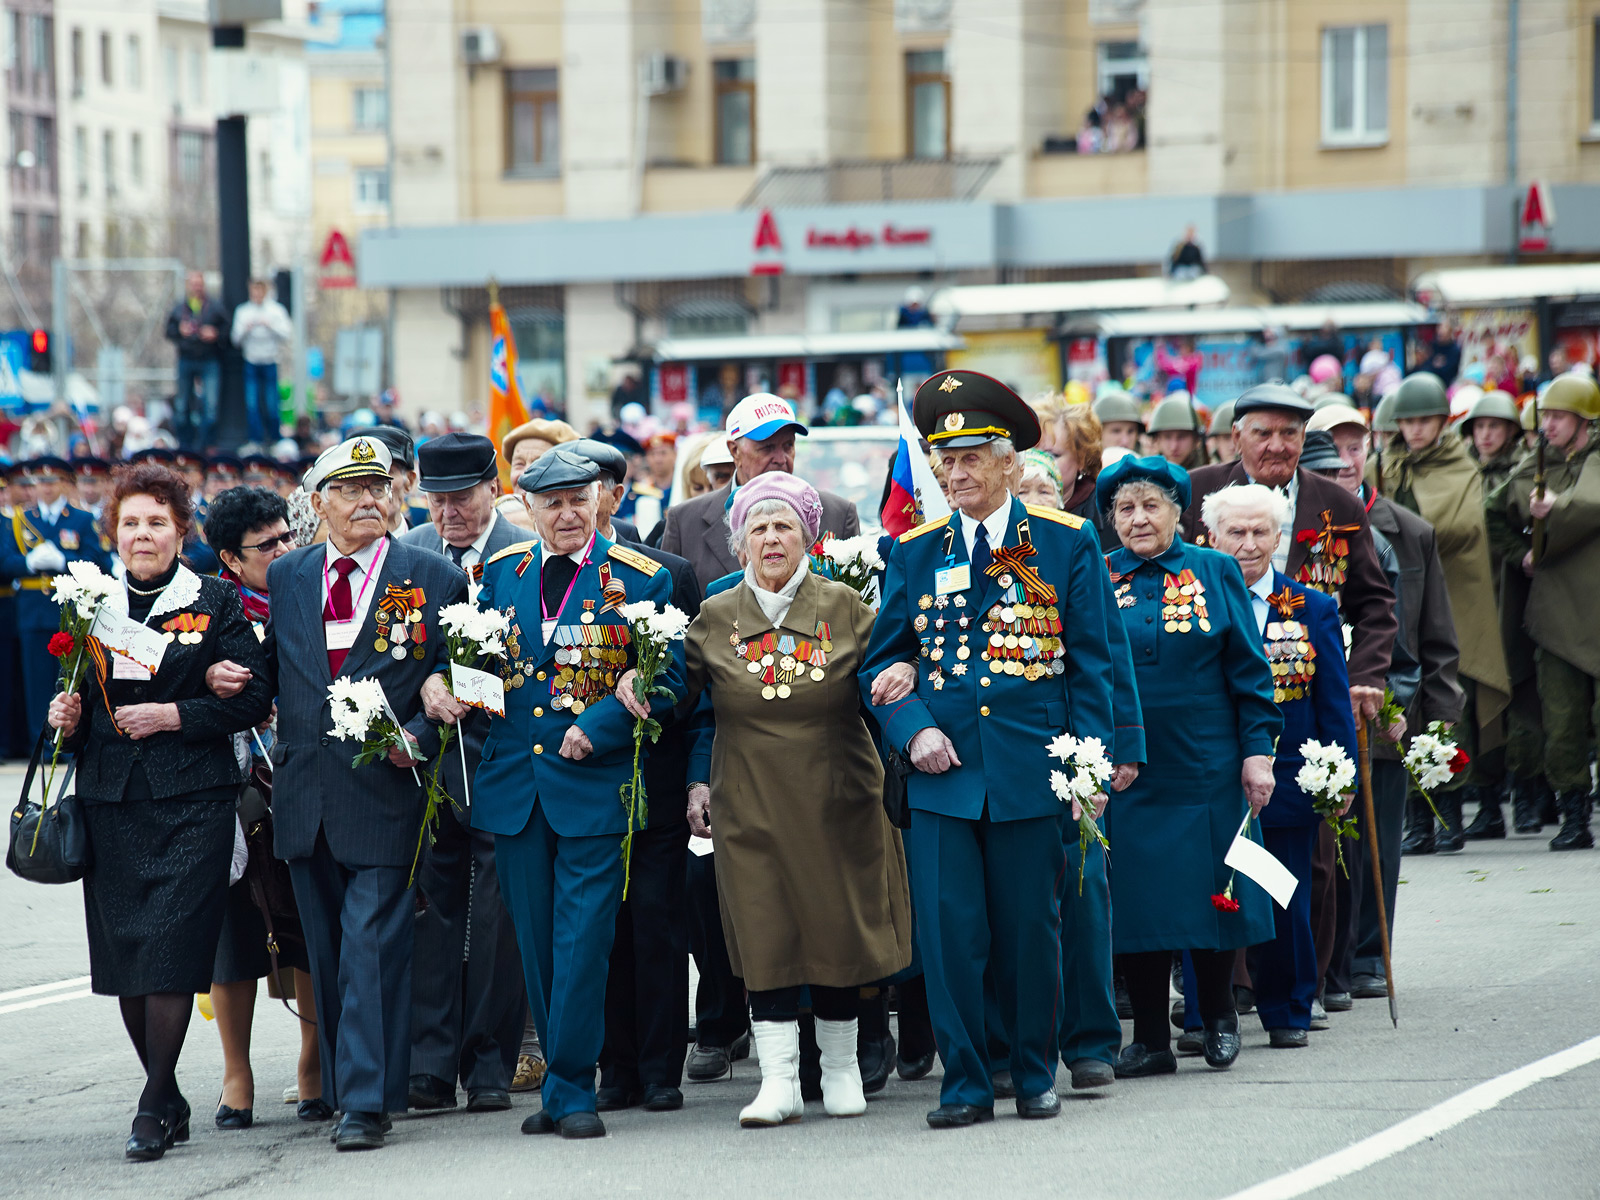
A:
(951, 577)
(548, 620)
(341, 635)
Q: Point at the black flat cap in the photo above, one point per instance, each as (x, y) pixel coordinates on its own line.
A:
(402, 449)
(607, 457)
(557, 469)
(1319, 453)
(453, 462)
(1272, 397)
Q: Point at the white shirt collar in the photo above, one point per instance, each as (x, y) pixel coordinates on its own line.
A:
(363, 556)
(54, 511)
(478, 544)
(995, 526)
(1260, 590)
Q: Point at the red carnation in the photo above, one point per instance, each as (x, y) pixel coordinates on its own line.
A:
(62, 644)
(1459, 763)
(1224, 903)
(1306, 536)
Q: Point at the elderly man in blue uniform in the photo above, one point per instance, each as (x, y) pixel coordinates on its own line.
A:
(1004, 608)
(549, 783)
(1301, 634)
(38, 545)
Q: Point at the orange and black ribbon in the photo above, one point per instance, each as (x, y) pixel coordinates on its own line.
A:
(97, 651)
(1286, 602)
(1323, 542)
(1013, 558)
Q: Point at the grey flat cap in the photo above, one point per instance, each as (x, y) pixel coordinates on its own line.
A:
(557, 469)
(1272, 397)
(608, 458)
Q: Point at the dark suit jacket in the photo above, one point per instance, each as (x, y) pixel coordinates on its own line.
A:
(1427, 628)
(698, 530)
(1366, 601)
(371, 815)
(476, 725)
(199, 755)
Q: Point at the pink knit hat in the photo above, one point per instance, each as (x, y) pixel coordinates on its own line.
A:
(779, 485)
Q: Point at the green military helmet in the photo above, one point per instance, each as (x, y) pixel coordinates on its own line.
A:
(1329, 399)
(1497, 404)
(1574, 394)
(1117, 406)
(1530, 417)
(1420, 395)
(1383, 415)
(1174, 415)
(1222, 420)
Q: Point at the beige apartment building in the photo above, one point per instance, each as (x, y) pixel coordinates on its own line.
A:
(734, 192)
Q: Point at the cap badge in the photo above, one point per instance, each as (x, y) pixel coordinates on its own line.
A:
(950, 384)
(362, 451)
(954, 421)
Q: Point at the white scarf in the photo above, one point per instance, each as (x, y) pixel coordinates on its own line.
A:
(776, 604)
(182, 591)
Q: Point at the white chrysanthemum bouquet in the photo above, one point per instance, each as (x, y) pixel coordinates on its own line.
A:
(1090, 772)
(652, 630)
(1329, 777)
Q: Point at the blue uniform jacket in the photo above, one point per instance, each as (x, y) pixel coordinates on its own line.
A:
(1315, 711)
(999, 723)
(521, 755)
(78, 538)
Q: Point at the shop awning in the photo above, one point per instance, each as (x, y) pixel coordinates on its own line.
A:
(1100, 295)
(925, 340)
(1292, 317)
(1497, 285)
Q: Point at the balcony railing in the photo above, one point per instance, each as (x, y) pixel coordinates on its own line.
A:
(871, 181)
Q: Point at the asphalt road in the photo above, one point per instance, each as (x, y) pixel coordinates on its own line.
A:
(1497, 955)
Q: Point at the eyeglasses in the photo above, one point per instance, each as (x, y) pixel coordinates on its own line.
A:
(285, 540)
(378, 489)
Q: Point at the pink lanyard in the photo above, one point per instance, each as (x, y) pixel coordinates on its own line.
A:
(543, 611)
(355, 605)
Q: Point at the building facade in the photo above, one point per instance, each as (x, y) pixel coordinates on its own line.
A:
(636, 171)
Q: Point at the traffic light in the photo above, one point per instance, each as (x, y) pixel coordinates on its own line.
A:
(39, 358)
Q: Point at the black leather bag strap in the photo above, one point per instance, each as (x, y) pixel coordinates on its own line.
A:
(34, 760)
(258, 896)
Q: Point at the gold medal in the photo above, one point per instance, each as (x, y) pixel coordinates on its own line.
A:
(419, 654)
(1171, 627)
(924, 601)
(380, 645)
(768, 692)
(578, 707)
(963, 653)
(996, 666)
(817, 674)
(587, 618)
(1184, 626)
(783, 691)
(1170, 594)
(1205, 625)
(754, 668)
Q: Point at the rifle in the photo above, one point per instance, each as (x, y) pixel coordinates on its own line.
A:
(1538, 483)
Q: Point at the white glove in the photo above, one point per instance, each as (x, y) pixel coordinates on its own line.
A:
(46, 556)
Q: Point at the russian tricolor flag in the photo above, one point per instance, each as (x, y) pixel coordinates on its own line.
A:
(913, 490)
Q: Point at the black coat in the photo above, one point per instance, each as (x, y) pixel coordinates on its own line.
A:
(199, 755)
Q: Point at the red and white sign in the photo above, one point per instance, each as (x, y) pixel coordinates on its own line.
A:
(338, 264)
(1538, 218)
(768, 246)
(674, 382)
(855, 239)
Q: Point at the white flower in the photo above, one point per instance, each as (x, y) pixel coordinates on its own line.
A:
(1061, 786)
(1084, 784)
(845, 551)
(1063, 746)
(669, 625)
(357, 705)
(639, 610)
(92, 579)
(1328, 771)
(1428, 759)
(458, 618)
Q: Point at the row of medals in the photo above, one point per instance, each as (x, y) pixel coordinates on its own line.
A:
(1290, 655)
(392, 637)
(787, 668)
(1184, 606)
(1022, 636)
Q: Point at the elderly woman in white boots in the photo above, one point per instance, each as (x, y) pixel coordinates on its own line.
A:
(811, 874)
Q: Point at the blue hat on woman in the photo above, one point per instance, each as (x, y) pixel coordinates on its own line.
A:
(1169, 477)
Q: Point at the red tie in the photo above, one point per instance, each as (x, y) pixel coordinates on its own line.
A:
(340, 607)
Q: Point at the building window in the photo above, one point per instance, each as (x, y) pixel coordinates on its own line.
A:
(80, 158)
(927, 105)
(19, 235)
(108, 161)
(44, 240)
(135, 62)
(191, 158)
(44, 145)
(197, 77)
(372, 189)
(42, 67)
(80, 240)
(113, 238)
(370, 107)
(533, 121)
(77, 62)
(13, 40)
(105, 59)
(136, 159)
(1355, 85)
(19, 136)
(736, 111)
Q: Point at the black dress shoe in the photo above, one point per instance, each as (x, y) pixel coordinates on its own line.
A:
(1189, 1041)
(315, 1109)
(384, 1123)
(178, 1119)
(616, 1098)
(957, 1116)
(912, 1069)
(430, 1092)
(1338, 1001)
(359, 1131)
(488, 1099)
(149, 1138)
(1244, 999)
(1004, 1088)
(1368, 987)
(539, 1122)
(707, 1064)
(1288, 1039)
(1222, 1042)
(1135, 1062)
(581, 1125)
(875, 1058)
(1039, 1108)
(1090, 1073)
(234, 1118)
(662, 1099)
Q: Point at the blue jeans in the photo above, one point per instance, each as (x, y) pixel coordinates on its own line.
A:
(193, 419)
(261, 403)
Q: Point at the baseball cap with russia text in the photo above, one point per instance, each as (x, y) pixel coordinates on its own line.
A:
(760, 416)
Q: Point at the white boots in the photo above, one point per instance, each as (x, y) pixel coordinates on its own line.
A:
(778, 1102)
(841, 1074)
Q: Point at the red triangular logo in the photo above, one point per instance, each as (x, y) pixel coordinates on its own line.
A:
(767, 232)
(1533, 207)
(337, 250)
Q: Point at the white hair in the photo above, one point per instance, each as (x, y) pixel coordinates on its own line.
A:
(590, 490)
(1139, 487)
(1244, 497)
(1003, 447)
(761, 508)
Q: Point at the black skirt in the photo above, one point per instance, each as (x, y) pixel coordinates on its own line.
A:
(154, 897)
(242, 948)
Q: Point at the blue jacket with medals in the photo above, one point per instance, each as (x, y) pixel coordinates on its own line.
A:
(1304, 643)
(74, 532)
(1002, 666)
(567, 681)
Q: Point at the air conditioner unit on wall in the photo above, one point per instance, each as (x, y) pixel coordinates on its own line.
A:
(480, 46)
(664, 73)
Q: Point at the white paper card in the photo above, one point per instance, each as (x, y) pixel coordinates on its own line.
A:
(126, 636)
(1254, 861)
(700, 847)
(341, 635)
(481, 689)
(952, 579)
(123, 667)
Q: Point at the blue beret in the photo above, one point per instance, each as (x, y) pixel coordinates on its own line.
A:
(557, 469)
(1169, 477)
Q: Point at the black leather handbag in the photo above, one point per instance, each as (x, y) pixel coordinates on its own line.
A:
(48, 845)
(896, 770)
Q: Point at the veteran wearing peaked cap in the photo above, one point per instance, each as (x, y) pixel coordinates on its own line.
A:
(553, 765)
(991, 639)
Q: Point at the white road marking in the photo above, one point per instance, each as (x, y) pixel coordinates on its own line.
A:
(38, 988)
(43, 1000)
(1426, 1124)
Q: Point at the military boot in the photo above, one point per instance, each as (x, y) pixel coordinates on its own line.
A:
(1524, 805)
(1449, 840)
(874, 1043)
(1490, 821)
(1419, 827)
(1549, 803)
(1574, 835)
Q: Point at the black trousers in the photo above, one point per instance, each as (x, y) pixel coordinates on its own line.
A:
(721, 1017)
(1364, 947)
(647, 987)
(827, 1003)
(468, 1003)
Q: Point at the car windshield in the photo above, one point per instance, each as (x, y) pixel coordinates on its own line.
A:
(852, 463)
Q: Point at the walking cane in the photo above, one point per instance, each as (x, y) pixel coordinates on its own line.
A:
(1364, 752)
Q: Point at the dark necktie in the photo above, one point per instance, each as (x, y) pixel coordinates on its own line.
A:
(556, 579)
(980, 554)
(455, 553)
(340, 607)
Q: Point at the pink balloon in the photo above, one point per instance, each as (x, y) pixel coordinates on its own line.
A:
(1325, 367)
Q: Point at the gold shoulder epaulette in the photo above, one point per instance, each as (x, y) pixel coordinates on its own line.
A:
(1070, 520)
(630, 557)
(515, 548)
(925, 527)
